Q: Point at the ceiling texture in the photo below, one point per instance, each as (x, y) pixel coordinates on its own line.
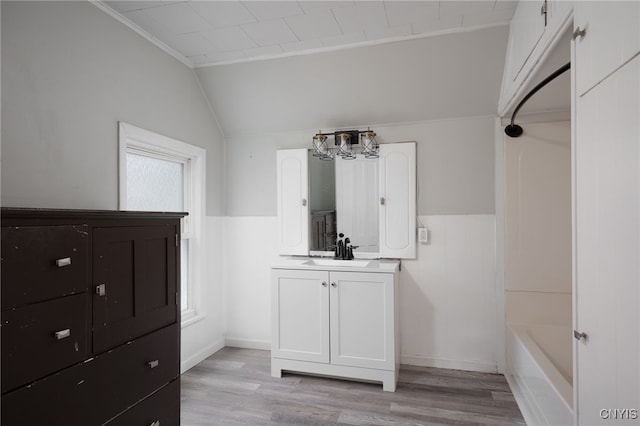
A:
(278, 66)
(202, 33)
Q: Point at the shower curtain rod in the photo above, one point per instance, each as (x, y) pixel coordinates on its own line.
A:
(514, 130)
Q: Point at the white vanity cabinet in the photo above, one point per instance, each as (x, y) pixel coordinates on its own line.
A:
(335, 322)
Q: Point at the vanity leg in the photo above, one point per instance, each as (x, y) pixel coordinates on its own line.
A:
(275, 370)
(389, 384)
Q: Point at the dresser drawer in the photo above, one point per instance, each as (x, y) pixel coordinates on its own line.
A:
(42, 338)
(161, 409)
(43, 262)
(99, 389)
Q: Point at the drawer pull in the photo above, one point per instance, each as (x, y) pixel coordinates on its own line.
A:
(101, 290)
(65, 261)
(156, 423)
(154, 363)
(63, 334)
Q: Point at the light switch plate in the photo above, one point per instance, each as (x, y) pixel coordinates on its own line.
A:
(423, 235)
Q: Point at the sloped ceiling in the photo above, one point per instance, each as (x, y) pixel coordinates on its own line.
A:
(447, 76)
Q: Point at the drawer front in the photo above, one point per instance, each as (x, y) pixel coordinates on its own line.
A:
(161, 409)
(43, 262)
(42, 338)
(99, 389)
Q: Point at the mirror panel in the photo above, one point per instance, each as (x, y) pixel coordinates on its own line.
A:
(322, 204)
(344, 199)
(357, 202)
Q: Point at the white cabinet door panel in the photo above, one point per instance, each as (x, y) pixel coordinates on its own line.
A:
(362, 317)
(300, 318)
(397, 208)
(526, 30)
(612, 38)
(293, 201)
(608, 245)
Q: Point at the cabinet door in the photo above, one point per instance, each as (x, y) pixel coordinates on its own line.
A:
(293, 201)
(397, 210)
(526, 30)
(607, 296)
(612, 38)
(300, 315)
(362, 314)
(138, 268)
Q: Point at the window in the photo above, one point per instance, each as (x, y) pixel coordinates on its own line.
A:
(158, 173)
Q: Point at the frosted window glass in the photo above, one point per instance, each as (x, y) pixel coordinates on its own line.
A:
(154, 184)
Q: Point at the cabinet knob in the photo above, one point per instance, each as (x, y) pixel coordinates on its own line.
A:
(382, 201)
(65, 261)
(304, 202)
(101, 290)
(324, 283)
(579, 336)
(154, 363)
(579, 32)
(334, 284)
(63, 334)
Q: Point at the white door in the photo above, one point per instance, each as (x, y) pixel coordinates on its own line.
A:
(607, 253)
(293, 201)
(362, 313)
(300, 319)
(397, 204)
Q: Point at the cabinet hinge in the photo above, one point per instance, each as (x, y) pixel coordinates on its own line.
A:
(544, 11)
(177, 241)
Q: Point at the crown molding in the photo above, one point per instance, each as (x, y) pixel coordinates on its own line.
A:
(158, 43)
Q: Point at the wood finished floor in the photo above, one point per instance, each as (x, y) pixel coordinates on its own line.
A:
(235, 387)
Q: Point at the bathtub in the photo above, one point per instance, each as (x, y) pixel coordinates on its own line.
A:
(539, 372)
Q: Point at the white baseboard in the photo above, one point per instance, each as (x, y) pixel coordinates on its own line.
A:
(453, 364)
(201, 355)
(526, 406)
(235, 342)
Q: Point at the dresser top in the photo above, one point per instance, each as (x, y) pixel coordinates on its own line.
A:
(41, 213)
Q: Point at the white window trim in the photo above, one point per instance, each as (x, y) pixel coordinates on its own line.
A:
(135, 140)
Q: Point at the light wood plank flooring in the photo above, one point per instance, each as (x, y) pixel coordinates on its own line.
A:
(234, 387)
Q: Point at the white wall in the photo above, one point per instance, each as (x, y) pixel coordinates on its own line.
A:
(448, 298)
(69, 74)
(453, 75)
(538, 224)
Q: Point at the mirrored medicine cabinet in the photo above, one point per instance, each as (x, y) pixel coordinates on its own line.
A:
(371, 201)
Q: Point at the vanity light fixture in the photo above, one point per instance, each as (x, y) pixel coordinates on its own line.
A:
(344, 142)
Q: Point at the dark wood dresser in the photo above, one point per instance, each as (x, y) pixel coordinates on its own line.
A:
(90, 321)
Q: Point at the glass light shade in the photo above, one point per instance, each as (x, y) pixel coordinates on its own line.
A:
(320, 148)
(369, 144)
(343, 142)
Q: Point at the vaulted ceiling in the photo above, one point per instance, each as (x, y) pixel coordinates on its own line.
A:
(278, 66)
(212, 32)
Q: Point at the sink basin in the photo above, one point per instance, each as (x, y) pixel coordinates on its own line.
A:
(337, 262)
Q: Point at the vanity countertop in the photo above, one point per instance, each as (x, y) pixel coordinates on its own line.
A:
(329, 264)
